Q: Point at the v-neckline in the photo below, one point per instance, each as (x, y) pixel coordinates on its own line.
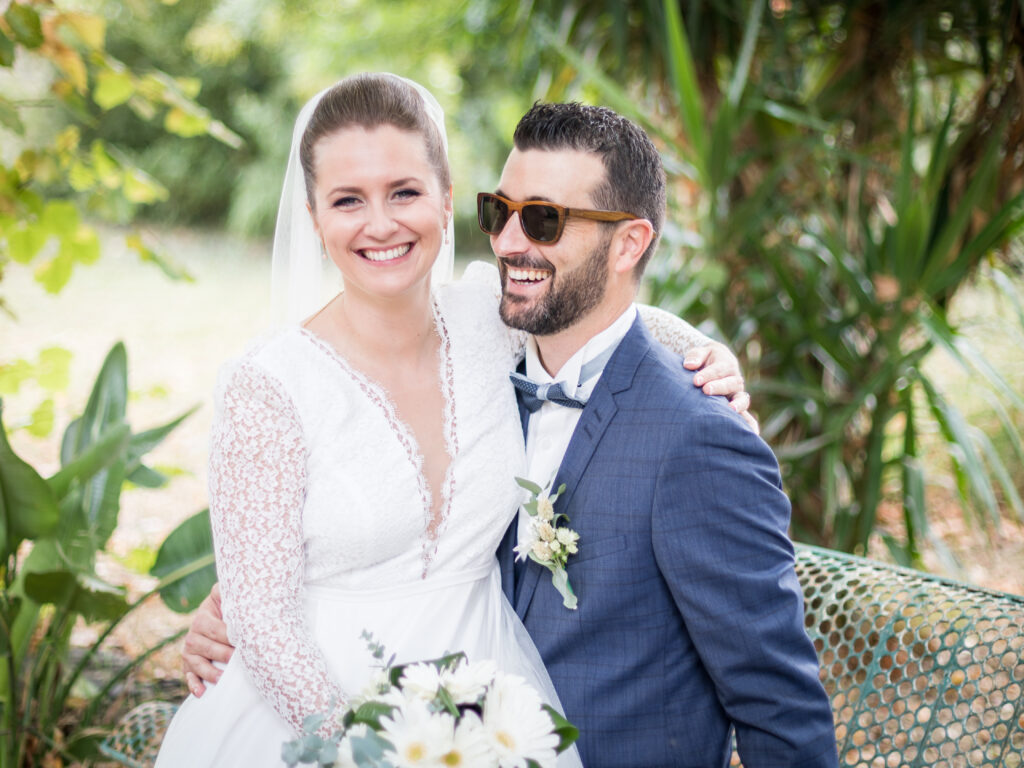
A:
(434, 520)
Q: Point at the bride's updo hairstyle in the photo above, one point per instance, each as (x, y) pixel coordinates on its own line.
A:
(370, 101)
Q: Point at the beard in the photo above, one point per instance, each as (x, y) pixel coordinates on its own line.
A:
(571, 295)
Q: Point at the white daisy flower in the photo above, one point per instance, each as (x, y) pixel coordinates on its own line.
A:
(471, 747)
(421, 680)
(516, 726)
(418, 737)
(468, 682)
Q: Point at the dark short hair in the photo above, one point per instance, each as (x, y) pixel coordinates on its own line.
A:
(634, 177)
(369, 101)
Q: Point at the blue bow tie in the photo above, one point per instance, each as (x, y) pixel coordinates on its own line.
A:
(534, 395)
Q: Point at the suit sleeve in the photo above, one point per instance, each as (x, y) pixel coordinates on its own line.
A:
(719, 529)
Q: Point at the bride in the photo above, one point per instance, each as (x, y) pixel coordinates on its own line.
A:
(362, 462)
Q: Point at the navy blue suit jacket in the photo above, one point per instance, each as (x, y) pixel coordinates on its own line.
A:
(690, 617)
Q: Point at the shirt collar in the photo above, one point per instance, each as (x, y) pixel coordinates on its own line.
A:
(569, 373)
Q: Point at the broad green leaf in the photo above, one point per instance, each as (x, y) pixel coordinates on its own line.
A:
(108, 399)
(103, 503)
(54, 274)
(80, 593)
(53, 372)
(41, 420)
(24, 23)
(186, 124)
(143, 442)
(145, 477)
(111, 447)
(188, 553)
(567, 732)
(30, 505)
(113, 88)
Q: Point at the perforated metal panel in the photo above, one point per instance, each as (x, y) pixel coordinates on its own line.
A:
(921, 671)
(136, 739)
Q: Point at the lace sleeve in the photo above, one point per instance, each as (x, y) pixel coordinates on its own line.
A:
(674, 332)
(486, 276)
(257, 484)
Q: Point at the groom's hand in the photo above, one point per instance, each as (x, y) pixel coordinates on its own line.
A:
(718, 373)
(205, 643)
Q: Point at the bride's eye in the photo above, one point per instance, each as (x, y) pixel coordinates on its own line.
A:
(345, 202)
(407, 194)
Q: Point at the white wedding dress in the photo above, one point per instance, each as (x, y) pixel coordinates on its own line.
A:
(323, 527)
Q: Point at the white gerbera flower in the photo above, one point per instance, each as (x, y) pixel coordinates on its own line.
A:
(468, 682)
(421, 680)
(470, 746)
(516, 726)
(418, 737)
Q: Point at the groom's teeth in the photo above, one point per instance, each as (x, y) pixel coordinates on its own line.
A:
(528, 275)
(388, 255)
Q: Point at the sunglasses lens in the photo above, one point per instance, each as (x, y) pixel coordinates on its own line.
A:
(493, 214)
(540, 222)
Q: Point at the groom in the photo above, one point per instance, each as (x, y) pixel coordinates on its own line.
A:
(690, 620)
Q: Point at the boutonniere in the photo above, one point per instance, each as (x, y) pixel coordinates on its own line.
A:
(548, 543)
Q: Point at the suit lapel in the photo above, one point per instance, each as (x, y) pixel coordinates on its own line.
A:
(597, 415)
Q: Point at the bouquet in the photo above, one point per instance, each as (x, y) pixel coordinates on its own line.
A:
(442, 712)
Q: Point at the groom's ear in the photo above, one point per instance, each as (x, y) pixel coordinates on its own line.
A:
(629, 243)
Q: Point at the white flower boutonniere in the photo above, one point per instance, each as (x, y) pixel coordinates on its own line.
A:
(548, 543)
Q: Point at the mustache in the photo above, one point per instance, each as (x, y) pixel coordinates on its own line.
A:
(519, 262)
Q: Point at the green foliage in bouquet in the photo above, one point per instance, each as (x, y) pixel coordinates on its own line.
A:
(51, 531)
(462, 713)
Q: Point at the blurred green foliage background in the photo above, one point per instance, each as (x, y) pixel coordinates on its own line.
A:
(839, 171)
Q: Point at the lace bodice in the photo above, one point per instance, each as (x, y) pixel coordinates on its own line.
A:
(314, 480)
